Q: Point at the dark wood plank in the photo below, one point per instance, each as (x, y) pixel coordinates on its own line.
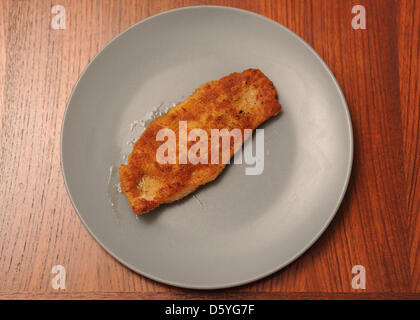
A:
(208, 296)
(409, 67)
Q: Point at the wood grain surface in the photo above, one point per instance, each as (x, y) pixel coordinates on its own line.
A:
(377, 225)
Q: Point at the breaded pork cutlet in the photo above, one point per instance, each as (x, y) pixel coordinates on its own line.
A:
(239, 100)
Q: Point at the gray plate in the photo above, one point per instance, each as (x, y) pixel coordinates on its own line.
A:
(239, 228)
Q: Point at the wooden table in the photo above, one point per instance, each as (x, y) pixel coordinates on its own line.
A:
(377, 226)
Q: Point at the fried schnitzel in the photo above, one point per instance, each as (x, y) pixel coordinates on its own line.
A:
(239, 100)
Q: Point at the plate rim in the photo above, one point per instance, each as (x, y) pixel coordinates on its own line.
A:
(299, 253)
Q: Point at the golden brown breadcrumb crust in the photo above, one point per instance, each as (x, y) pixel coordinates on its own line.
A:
(239, 100)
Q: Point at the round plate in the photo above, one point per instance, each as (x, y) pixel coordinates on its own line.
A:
(238, 228)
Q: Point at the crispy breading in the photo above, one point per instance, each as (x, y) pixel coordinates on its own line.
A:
(239, 100)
